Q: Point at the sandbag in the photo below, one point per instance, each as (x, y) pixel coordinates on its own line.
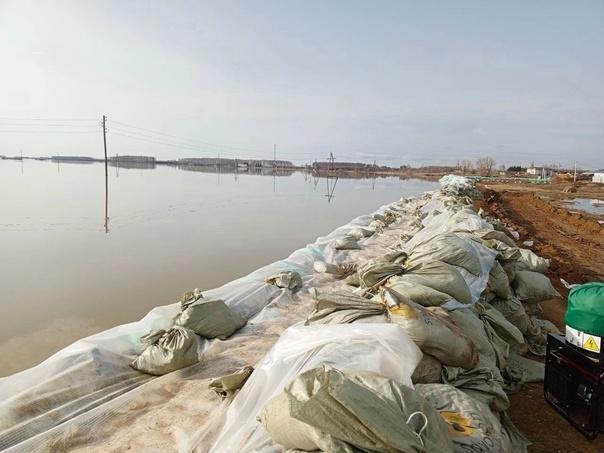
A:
(513, 310)
(533, 287)
(502, 334)
(472, 425)
(167, 351)
(498, 235)
(428, 370)
(420, 294)
(210, 319)
(530, 261)
(342, 307)
(226, 386)
(373, 273)
(289, 280)
(333, 411)
(435, 334)
(450, 249)
(360, 233)
(441, 277)
(498, 282)
(484, 383)
(348, 242)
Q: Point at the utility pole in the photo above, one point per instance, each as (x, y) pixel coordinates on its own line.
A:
(106, 175)
(575, 176)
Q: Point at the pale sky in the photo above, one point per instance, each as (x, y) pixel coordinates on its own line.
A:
(402, 82)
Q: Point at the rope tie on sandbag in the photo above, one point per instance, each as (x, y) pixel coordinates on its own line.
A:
(423, 428)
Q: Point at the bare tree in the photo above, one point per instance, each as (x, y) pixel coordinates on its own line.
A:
(466, 167)
(484, 165)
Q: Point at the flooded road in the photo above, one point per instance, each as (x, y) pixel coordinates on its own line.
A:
(63, 277)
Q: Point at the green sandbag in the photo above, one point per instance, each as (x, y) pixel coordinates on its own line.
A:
(342, 307)
(435, 334)
(167, 351)
(498, 235)
(473, 427)
(334, 411)
(533, 287)
(427, 371)
(210, 319)
(513, 310)
(288, 280)
(484, 383)
(441, 277)
(585, 310)
(373, 273)
(420, 294)
(450, 249)
(529, 261)
(226, 386)
(505, 251)
(498, 282)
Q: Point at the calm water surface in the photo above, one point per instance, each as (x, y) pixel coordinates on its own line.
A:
(63, 277)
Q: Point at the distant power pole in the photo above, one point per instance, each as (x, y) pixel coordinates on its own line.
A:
(106, 175)
(575, 176)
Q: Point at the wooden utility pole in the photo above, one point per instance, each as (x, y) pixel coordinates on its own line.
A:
(106, 176)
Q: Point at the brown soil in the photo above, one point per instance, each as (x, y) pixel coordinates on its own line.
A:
(574, 243)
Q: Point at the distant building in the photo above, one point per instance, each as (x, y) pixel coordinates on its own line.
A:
(72, 159)
(133, 159)
(346, 166)
(598, 177)
(540, 171)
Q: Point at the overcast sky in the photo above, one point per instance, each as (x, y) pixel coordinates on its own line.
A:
(400, 82)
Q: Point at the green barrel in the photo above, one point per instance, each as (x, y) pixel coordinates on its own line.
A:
(585, 308)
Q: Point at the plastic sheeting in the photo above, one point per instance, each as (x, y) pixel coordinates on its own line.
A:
(74, 397)
(369, 347)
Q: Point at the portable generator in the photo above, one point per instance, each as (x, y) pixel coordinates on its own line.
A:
(574, 369)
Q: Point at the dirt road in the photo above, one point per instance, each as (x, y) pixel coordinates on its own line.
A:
(575, 245)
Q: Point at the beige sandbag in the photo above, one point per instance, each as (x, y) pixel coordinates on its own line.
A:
(348, 242)
(533, 287)
(360, 233)
(441, 277)
(435, 334)
(373, 273)
(226, 386)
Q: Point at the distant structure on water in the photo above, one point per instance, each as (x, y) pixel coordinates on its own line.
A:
(244, 164)
(79, 159)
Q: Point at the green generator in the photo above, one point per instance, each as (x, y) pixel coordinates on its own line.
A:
(574, 367)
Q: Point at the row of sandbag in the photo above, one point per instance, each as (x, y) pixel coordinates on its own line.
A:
(164, 351)
(475, 361)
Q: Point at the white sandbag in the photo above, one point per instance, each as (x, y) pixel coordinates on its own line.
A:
(435, 334)
(380, 348)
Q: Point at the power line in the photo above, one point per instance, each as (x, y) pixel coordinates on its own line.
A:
(49, 119)
(49, 132)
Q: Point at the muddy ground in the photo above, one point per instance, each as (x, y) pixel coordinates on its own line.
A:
(574, 242)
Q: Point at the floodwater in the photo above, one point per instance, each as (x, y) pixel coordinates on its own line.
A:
(592, 206)
(62, 276)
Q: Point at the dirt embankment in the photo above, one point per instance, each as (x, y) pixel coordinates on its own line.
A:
(575, 245)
